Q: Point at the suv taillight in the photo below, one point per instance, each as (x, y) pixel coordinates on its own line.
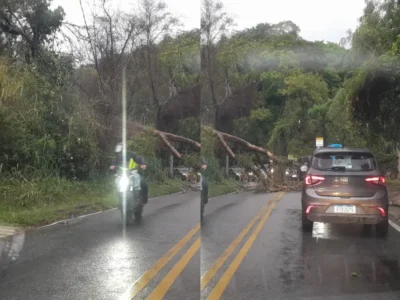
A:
(376, 180)
(313, 179)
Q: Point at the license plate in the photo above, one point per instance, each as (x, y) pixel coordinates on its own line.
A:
(341, 180)
(345, 209)
(294, 176)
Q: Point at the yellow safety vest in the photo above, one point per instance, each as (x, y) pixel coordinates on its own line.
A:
(132, 165)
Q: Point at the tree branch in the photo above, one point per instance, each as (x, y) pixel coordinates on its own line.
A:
(92, 48)
(227, 148)
(167, 143)
(179, 138)
(250, 146)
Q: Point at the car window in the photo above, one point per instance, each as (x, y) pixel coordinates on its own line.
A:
(350, 161)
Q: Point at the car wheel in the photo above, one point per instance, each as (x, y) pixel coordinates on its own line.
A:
(382, 228)
(306, 224)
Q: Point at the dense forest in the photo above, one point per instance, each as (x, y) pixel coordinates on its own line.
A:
(271, 87)
(60, 103)
(60, 100)
(60, 92)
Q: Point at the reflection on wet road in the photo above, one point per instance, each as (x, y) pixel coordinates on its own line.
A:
(158, 259)
(252, 247)
(282, 262)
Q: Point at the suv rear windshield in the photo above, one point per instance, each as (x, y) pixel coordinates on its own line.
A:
(344, 161)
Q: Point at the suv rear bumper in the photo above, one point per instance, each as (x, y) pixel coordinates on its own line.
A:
(367, 209)
(345, 218)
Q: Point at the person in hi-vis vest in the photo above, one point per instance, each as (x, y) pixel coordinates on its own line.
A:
(133, 161)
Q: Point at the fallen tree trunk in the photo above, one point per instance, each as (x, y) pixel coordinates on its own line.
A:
(227, 148)
(179, 138)
(222, 136)
(165, 135)
(167, 143)
(133, 128)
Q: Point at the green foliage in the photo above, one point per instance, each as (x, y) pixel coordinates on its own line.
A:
(44, 200)
(191, 159)
(208, 141)
(49, 136)
(209, 146)
(181, 57)
(255, 128)
(145, 144)
(313, 89)
(190, 128)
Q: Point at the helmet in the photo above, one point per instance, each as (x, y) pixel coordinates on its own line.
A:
(118, 148)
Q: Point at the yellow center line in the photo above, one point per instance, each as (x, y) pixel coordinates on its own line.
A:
(163, 287)
(226, 278)
(221, 260)
(140, 283)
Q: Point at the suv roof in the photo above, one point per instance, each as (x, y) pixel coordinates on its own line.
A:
(346, 149)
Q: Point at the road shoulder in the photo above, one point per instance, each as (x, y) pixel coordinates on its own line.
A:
(394, 214)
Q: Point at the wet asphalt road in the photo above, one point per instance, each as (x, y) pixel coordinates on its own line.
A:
(282, 262)
(91, 259)
(271, 259)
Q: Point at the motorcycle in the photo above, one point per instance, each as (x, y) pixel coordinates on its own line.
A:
(128, 184)
(204, 195)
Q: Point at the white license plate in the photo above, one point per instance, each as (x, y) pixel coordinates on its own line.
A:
(294, 176)
(345, 209)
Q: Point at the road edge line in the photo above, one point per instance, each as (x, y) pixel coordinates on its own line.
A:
(97, 212)
(394, 225)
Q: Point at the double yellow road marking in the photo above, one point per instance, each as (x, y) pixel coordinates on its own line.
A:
(220, 287)
(162, 288)
(169, 279)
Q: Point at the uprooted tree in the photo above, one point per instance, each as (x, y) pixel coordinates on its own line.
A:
(280, 163)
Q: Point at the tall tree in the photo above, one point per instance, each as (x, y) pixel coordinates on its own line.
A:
(155, 21)
(214, 23)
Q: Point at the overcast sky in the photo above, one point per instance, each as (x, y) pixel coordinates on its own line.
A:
(318, 19)
(187, 10)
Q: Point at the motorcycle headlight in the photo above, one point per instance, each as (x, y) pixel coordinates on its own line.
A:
(123, 183)
(287, 173)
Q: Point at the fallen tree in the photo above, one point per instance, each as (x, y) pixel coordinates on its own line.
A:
(265, 183)
(222, 136)
(133, 128)
(178, 138)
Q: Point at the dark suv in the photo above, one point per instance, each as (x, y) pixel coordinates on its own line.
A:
(343, 185)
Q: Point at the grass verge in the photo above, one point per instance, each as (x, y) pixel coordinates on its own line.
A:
(222, 188)
(42, 201)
